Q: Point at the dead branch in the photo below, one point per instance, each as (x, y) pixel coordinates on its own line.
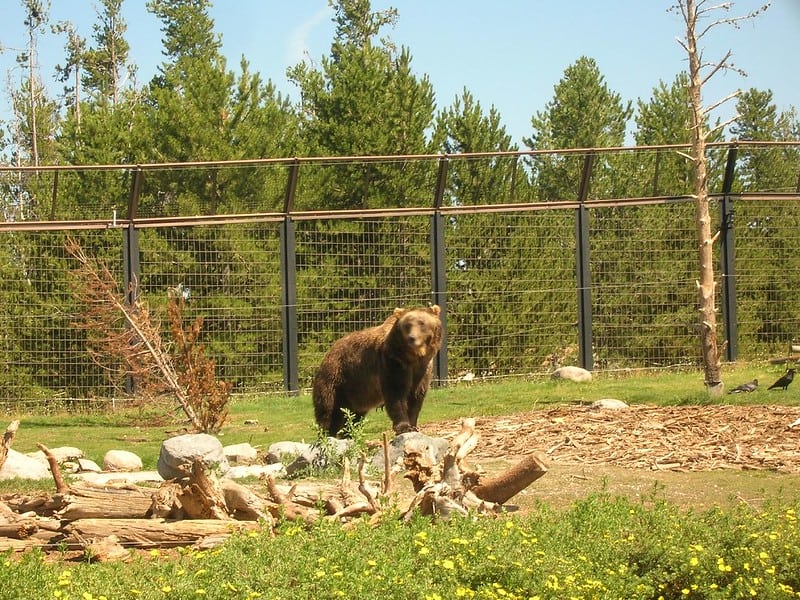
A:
(387, 471)
(8, 439)
(61, 487)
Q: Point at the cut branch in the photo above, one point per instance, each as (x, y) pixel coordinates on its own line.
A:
(8, 439)
(61, 486)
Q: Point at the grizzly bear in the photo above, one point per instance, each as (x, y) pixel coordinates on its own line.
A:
(390, 365)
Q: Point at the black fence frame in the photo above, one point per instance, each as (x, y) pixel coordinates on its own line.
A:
(438, 213)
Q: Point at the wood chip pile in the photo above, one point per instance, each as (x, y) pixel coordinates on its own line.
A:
(682, 438)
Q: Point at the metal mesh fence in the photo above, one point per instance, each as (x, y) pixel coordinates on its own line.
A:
(277, 279)
(644, 300)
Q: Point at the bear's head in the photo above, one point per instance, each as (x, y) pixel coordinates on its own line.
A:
(418, 331)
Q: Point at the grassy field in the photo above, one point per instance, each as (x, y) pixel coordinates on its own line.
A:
(291, 418)
(599, 543)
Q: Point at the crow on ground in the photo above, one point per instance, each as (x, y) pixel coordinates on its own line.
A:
(784, 381)
(745, 387)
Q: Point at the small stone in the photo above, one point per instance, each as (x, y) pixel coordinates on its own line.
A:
(609, 404)
(121, 460)
(576, 374)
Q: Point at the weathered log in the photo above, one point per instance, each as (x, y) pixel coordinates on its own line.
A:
(88, 502)
(285, 506)
(166, 503)
(153, 532)
(203, 497)
(500, 488)
(106, 550)
(8, 439)
(42, 538)
(244, 504)
(42, 504)
(19, 529)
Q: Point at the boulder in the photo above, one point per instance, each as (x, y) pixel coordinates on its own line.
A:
(242, 454)
(20, 466)
(280, 451)
(121, 460)
(576, 374)
(319, 456)
(178, 453)
(433, 448)
(62, 454)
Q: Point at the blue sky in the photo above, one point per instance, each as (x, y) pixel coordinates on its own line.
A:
(508, 53)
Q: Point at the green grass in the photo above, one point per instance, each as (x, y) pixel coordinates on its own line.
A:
(599, 546)
(291, 417)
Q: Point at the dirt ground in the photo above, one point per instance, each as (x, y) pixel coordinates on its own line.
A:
(695, 456)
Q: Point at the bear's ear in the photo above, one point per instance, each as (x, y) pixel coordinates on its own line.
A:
(435, 309)
(398, 312)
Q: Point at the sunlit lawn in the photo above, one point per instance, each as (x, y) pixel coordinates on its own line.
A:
(600, 546)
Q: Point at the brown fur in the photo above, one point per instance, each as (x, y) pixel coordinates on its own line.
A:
(390, 365)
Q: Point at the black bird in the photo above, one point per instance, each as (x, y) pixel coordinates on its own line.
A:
(745, 387)
(784, 381)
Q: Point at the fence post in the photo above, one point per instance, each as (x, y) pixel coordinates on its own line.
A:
(728, 266)
(585, 341)
(291, 378)
(438, 268)
(131, 267)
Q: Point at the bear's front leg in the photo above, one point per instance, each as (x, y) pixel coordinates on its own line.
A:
(397, 410)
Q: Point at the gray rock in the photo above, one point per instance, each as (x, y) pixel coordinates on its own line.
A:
(178, 453)
(88, 466)
(433, 448)
(122, 477)
(609, 404)
(19, 466)
(576, 374)
(318, 457)
(242, 454)
(62, 454)
(121, 460)
(280, 451)
(244, 471)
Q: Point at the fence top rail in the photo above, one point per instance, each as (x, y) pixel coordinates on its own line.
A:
(378, 213)
(288, 161)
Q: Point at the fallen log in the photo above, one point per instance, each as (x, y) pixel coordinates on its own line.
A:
(501, 488)
(42, 504)
(87, 502)
(454, 487)
(202, 497)
(244, 504)
(147, 533)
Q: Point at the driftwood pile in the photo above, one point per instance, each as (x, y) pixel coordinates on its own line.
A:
(676, 438)
(203, 510)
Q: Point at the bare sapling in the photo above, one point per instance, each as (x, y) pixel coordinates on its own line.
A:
(121, 329)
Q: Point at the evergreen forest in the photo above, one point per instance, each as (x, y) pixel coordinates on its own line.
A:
(510, 274)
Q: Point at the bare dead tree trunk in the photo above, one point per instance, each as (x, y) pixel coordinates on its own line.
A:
(693, 11)
(32, 94)
(706, 286)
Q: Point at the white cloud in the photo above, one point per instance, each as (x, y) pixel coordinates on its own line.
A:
(299, 46)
